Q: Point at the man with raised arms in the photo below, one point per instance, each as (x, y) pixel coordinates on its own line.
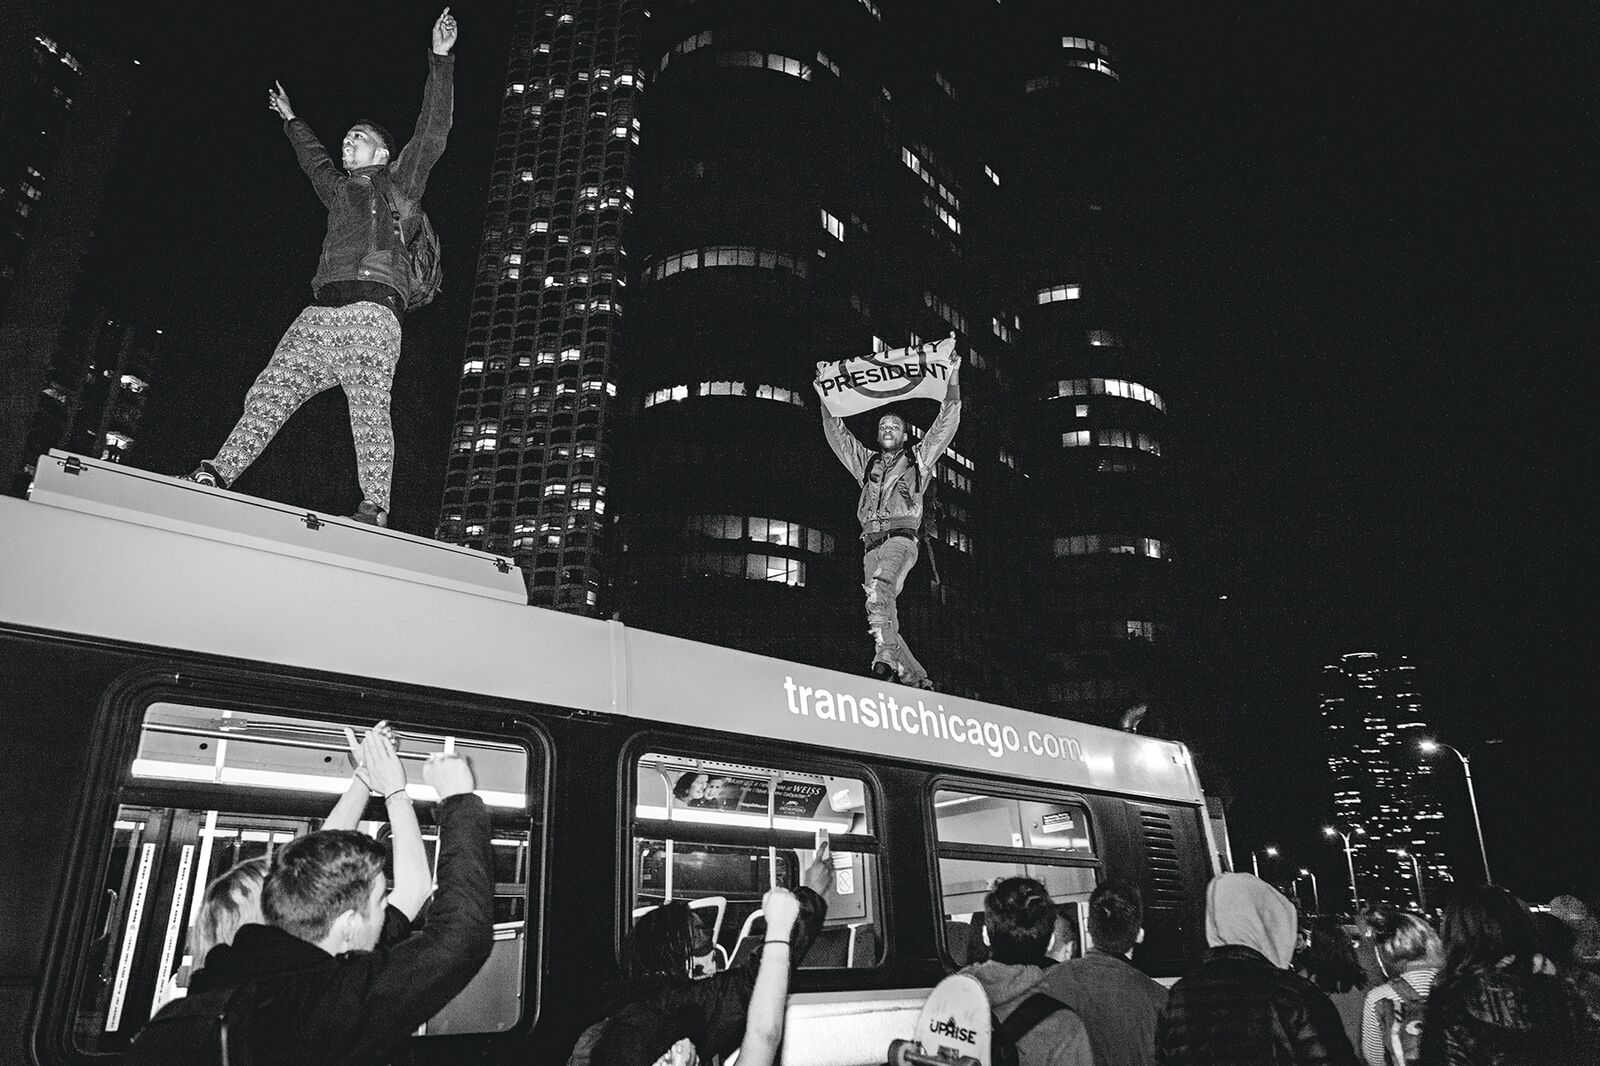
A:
(894, 479)
(350, 335)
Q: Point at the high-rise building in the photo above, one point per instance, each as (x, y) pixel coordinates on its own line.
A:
(1373, 715)
(95, 395)
(819, 181)
(30, 141)
(530, 461)
(63, 112)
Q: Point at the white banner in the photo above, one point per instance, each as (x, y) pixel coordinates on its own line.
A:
(851, 386)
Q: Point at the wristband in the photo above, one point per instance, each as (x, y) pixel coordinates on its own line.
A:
(397, 792)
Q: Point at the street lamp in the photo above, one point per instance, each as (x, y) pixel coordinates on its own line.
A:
(1349, 859)
(1416, 873)
(1316, 902)
(1428, 748)
(1269, 851)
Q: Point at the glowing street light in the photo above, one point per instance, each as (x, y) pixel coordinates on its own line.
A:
(1428, 748)
(1316, 902)
(1269, 851)
(1349, 858)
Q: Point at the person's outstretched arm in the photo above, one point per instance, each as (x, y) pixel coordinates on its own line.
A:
(314, 159)
(851, 452)
(943, 430)
(763, 1030)
(409, 170)
(413, 881)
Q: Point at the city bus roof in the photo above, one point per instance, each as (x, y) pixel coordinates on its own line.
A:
(112, 553)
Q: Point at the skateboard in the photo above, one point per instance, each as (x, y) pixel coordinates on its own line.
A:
(952, 1029)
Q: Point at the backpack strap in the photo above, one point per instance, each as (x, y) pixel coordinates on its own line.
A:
(1405, 990)
(1033, 1010)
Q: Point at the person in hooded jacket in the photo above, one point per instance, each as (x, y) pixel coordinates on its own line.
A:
(1020, 917)
(1243, 1005)
(1494, 1002)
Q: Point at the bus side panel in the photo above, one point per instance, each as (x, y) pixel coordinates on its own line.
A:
(580, 912)
(1162, 849)
(51, 755)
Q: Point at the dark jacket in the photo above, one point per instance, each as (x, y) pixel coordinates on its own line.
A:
(648, 1015)
(892, 492)
(310, 1008)
(1237, 1008)
(359, 244)
(1117, 1002)
(1495, 1018)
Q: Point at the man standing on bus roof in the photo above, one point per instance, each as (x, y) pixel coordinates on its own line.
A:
(350, 335)
(894, 479)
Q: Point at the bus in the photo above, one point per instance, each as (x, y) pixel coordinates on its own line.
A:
(181, 664)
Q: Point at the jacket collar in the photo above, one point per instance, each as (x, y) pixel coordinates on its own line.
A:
(258, 951)
(1238, 951)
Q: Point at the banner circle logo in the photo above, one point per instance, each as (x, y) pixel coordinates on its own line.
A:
(890, 391)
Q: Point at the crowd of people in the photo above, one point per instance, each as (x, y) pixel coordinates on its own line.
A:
(318, 956)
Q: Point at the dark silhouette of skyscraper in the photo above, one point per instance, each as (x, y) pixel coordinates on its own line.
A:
(816, 181)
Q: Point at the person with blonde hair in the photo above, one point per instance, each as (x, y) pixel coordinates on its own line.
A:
(1409, 954)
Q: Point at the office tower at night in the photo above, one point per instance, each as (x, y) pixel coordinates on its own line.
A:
(30, 141)
(530, 460)
(1373, 716)
(99, 379)
(818, 181)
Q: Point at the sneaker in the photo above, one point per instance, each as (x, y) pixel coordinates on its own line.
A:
(206, 474)
(882, 671)
(371, 514)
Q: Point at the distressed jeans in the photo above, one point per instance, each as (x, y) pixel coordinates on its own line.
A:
(884, 570)
(356, 346)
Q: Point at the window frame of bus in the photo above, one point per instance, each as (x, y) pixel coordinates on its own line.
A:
(716, 750)
(115, 740)
(980, 787)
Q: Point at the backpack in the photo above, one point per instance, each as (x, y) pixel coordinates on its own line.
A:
(1018, 1024)
(202, 1029)
(423, 273)
(1400, 1024)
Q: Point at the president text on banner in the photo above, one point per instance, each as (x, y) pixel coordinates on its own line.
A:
(851, 386)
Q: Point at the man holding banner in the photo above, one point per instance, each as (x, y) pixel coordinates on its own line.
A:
(894, 478)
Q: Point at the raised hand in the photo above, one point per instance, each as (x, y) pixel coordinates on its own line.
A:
(819, 875)
(449, 774)
(278, 100)
(444, 33)
(385, 774)
(780, 908)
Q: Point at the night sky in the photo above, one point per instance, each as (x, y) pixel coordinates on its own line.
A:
(1376, 293)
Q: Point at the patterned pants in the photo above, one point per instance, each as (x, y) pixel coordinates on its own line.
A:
(356, 346)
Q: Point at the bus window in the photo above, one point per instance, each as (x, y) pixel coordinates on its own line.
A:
(210, 788)
(983, 839)
(717, 835)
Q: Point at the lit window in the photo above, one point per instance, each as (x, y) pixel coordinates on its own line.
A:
(830, 64)
(1103, 338)
(472, 366)
(1057, 293)
(834, 227)
(1080, 410)
(872, 9)
(992, 175)
(944, 83)
(1075, 438)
